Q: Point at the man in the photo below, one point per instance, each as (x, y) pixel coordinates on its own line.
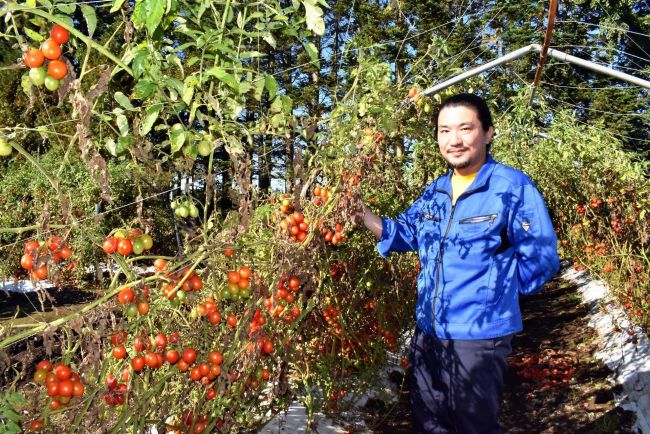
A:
(484, 235)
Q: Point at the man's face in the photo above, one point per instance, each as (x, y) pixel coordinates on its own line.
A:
(462, 140)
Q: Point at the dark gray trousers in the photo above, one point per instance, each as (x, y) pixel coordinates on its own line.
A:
(456, 385)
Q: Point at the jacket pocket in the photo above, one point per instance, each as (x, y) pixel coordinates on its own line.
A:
(490, 218)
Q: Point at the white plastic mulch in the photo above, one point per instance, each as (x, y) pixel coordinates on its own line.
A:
(624, 348)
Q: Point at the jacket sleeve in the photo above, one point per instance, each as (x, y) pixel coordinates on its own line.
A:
(399, 234)
(534, 240)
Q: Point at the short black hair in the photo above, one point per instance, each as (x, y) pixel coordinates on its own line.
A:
(472, 101)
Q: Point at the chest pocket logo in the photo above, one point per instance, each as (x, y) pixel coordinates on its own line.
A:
(490, 218)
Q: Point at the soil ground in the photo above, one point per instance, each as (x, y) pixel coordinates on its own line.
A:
(556, 343)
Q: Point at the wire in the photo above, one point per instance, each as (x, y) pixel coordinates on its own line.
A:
(622, 136)
(600, 111)
(603, 26)
(604, 48)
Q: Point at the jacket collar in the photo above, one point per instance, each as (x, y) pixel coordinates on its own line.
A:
(482, 177)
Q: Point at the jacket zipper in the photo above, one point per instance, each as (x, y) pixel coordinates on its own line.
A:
(439, 261)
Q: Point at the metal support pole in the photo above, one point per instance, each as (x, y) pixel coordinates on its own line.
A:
(538, 48)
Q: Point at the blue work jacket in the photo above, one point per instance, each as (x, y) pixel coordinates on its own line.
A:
(476, 256)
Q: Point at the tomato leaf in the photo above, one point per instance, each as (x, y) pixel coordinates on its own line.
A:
(178, 139)
(140, 63)
(313, 53)
(224, 77)
(34, 36)
(117, 4)
(314, 16)
(271, 85)
(155, 10)
(143, 89)
(122, 123)
(90, 17)
(66, 8)
(123, 100)
(151, 117)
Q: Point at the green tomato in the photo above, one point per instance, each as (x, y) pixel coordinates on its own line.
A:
(204, 148)
(174, 205)
(138, 246)
(37, 75)
(5, 148)
(183, 211)
(225, 293)
(132, 311)
(51, 83)
(194, 211)
(244, 293)
(147, 240)
(181, 295)
(120, 233)
(175, 302)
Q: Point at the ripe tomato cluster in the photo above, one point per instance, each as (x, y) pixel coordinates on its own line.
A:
(286, 292)
(296, 225)
(321, 195)
(51, 50)
(545, 370)
(134, 305)
(126, 242)
(210, 310)
(239, 284)
(331, 314)
(192, 282)
(61, 383)
(116, 393)
(37, 256)
(333, 237)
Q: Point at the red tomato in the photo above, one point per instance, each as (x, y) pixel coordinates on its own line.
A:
(216, 357)
(31, 246)
(36, 425)
(161, 340)
(244, 272)
(172, 356)
(124, 247)
(137, 363)
(51, 49)
(33, 59)
(40, 272)
(214, 318)
(53, 388)
(119, 352)
(205, 369)
(110, 245)
(151, 360)
(195, 374)
(126, 296)
(189, 356)
(66, 252)
(27, 261)
(65, 388)
(62, 372)
(57, 69)
(59, 34)
(233, 277)
(118, 337)
(78, 388)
